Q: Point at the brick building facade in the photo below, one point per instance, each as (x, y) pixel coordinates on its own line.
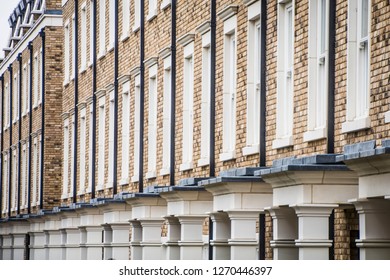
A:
(196, 130)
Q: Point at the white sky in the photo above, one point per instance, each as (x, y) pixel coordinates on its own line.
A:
(6, 7)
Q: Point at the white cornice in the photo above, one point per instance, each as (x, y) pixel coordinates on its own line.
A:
(165, 52)
(135, 71)
(150, 61)
(204, 27)
(123, 79)
(228, 12)
(100, 92)
(249, 2)
(186, 39)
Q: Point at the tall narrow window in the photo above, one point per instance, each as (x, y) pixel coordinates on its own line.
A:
(24, 90)
(152, 123)
(125, 18)
(5, 185)
(166, 117)
(35, 173)
(317, 70)
(91, 132)
(285, 76)
(188, 106)
(111, 24)
(39, 168)
(102, 28)
(253, 81)
(66, 54)
(125, 131)
(83, 141)
(229, 83)
(14, 181)
(91, 31)
(24, 177)
(15, 99)
(137, 14)
(6, 106)
(358, 65)
(101, 142)
(111, 137)
(137, 125)
(36, 79)
(41, 76)
(205, 107)
(83, 59)
(152, 9)
(65, 170)
(74, 36)
(72, 158)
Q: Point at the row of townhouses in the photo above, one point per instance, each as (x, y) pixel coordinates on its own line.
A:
(177, 129)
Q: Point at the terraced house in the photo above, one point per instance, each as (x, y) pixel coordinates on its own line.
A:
(176, 129)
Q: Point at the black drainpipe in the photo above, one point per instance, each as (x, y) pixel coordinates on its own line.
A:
(76, 99)
(213, 31)
(331, 76)
(331, 235)
(263, 84)
(173, 94)
(211, 233)
(30, 48)
(262, 236)
(93, 159)
(20, 129)
(1, 142)
(142, 98)
(42, 164)
(116, 65)
(10, 141)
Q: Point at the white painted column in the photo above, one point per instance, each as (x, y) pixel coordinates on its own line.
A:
(285, 231)
(18, 246)
(53, 244)
(313, 231)
(171, 246)
(72, 247)
(135, 241)
(120, 241)
(107, 240)
(37, 245)
(243, 240)
(191, 241)
(7, 247)
(221, 235)
(91, 242)
(374, 242)
(151, 239)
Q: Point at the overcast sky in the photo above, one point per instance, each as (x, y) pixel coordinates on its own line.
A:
(7, 6)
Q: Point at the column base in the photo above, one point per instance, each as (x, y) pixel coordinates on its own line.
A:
(374, 249)
(285, 250)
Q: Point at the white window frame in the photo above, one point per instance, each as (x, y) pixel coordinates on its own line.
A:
(15, 99)
(110, 179)
(41, 76)
(91, 31)
(358, 74)
(72, 150)
(24, 177)
(83, 53)
(66, 54)
(166, 145)
(73, 57)
(152, 10)
(317, 70)
(102, 28)
(111, 27)
(36, 79)
(229, 89)
(152, 123)
(165, 4)
(101, 142)
(35, 172)
(253, 81)
(25, 90)
(90, 163)
(39, 168)
(137, 125)
(188, 108)
(125, 131)
(137, 15)
(14, 180)
(6, 106)
(125, 19)
(5, 184)
(285, 76)
(65, 169)
(83, 142)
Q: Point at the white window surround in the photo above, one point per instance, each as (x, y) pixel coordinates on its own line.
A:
(36, 80)
(72, 150)
(317, 70)
(125, 20)
(137, 110)
(111, 109)
(100, 95)
(35, 173)
(14, 179)
(204, 30)
(83, 141)
(152, 119)
(137, 15)
(228, 15)
(188, 102)
(152, 10)
(66, 53)
(25, 90)
(6, 106)
(358, 66)
(253, 81)
(125, 81)
(73, 58)
(83, 54)
(285, 75)
(166, 145)
(39, 168)
(111, 27)
(102, 28)
(24, 176)
(15, 99)
(5, 184)
(91, 132)
(165, 4)
(41, 76)
(91, 32)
